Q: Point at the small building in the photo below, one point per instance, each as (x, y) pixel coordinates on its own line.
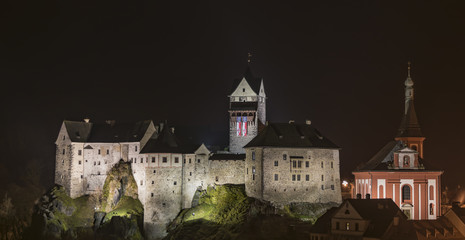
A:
(362, 219)
(398, 171)
(290, 162)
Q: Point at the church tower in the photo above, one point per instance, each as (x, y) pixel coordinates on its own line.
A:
(247, 110)
(409, 131)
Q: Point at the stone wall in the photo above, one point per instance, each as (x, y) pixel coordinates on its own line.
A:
(226, 171)
(237, 143)
(315, 179)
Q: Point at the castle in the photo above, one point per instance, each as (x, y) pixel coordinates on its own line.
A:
(278, 162)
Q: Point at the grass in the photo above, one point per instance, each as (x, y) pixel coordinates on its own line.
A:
(126, 207)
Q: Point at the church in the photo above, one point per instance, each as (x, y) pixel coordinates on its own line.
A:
(281, 163)
(399, 172)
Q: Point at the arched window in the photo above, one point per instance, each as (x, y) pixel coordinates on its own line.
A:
(431, 209)
(405, 193)
(431, 192)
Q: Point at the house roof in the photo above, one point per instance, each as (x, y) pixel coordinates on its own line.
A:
(106, 132)
(384, 157)
(380, 212)
(254, 82)
(440, 225)
(409, 126)
(291, 135)
(227, 156)
(167, 142)
(323, 223)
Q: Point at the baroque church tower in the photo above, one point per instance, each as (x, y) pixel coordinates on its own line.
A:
(247, 110)
(409, 131)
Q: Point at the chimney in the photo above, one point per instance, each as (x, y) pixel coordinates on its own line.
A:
(291, 121)
(308, 122)
(359, 196)
(86, 120)
(367, 196)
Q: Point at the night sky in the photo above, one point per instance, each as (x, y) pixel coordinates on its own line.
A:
(341, 64)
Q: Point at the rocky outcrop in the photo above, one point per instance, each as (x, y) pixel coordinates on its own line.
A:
(114, 214)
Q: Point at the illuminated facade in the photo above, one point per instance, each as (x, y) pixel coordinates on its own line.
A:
(399, 172)
(247, 111)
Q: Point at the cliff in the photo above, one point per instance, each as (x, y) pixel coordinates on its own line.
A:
(225, 212)
(115, 213)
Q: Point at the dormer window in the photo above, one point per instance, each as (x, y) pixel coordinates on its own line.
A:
(406, 161)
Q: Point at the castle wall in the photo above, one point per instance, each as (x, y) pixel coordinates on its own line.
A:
(254, 173)
(163, 198)
(284, 183)
(63, 160)
(226, 171)
(237, 143)
(195, 172)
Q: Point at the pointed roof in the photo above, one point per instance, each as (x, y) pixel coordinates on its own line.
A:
(167, 142)
(254, 82)
(409, 126)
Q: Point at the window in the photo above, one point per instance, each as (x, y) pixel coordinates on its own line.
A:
(337, 226)
(322, 187)
(165, 159)
(431, 192)
(153, 182)
(99, 151)
(331, 164)
(275, 163)
(298, 177)
(299, 164)
(431, 209)
(141, 160)
(64, 151)
(190, 173)
(198, 160)
(321, 164)
(98, 173)
(135, 148)
(332, 187)
(293, 177)
(406, 161)
(108, 151)
(307, 177)
(175, 183)
(253, 177)
(80, 162)
(347, 226)
(153, 159)
(414, 147)
(82, 176)
(151, 194)
(307, 164)
(189, 160)
(284, 157)
(294, 164)
(405, 193)
(64, 137)
(163, 204)
(253, 155)
(184, 161)
(322, 177)
(79, 152)
(243, 90)
(276, 177)
(154, 171)
(216, 178)
(141, 182)
(176, 160)
(95, 163)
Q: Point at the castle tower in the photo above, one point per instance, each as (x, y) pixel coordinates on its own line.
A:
(409, 131)
(247, 110)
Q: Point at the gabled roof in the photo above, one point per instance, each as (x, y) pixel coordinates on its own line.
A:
(290, 135)
(381, 160)
(380, 212)
(409, 126)
(106, 132)
(167, 142)
(254, 82)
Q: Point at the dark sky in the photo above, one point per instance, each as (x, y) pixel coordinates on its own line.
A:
(341, 64)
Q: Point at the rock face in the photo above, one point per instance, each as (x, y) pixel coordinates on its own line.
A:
(114, 214)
